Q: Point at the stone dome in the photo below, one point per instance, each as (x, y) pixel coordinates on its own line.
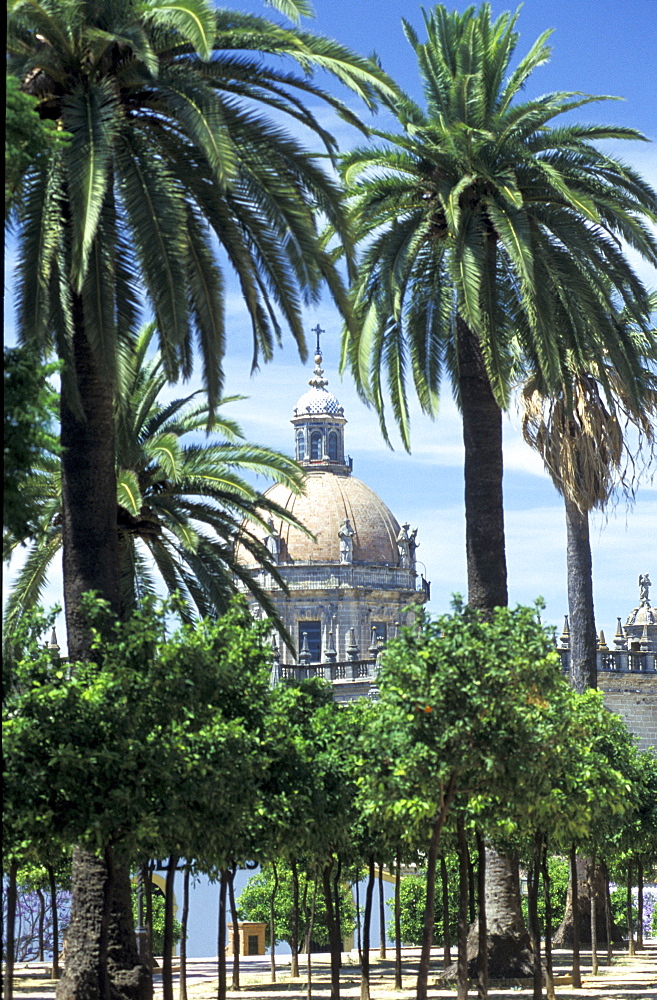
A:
(317, 400)
(327, 501)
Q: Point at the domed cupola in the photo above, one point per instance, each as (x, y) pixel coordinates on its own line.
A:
(319, 424)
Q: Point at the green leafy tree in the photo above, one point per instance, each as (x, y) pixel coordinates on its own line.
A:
(413, 892)
(133, 754)
(182, 498)
(462, 703)
(30, 443)
(158, 921)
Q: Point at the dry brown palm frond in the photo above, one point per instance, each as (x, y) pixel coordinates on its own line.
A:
(591, 443)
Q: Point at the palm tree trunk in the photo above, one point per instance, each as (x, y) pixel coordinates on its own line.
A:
(85, 971)
(484, 510)
(583, 643)
(90, 562)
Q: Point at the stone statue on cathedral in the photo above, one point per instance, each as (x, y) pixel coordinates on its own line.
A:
(346, 534)
(644, 590)
(273, 542)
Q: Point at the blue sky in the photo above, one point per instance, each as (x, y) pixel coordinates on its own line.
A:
(601, 47)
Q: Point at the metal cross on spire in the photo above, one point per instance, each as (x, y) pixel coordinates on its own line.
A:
(318, 330)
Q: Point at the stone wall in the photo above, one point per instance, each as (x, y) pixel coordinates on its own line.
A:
(634, 697)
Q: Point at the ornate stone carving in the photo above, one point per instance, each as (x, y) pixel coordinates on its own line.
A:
(644, 590)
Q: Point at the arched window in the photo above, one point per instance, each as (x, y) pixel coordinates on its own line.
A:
(301, 446)
(316, 445)
(333, 446)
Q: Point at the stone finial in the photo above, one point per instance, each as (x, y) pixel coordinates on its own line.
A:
(620, 640)
(353, 651)
(564, 638)
(53, 645)
(644, 641)
(304, 655)
(275, 651)
(602, 643)
(330, 654)
(373, 647)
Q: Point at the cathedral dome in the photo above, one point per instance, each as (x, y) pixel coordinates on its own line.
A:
(317, 400)
(328, 500)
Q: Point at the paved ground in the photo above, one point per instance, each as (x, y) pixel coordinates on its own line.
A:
(625, 979)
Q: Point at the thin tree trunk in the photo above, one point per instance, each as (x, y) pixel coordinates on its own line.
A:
(583, 640)
(429, 909)
(630, 916)
(334, 942)
(577, 975)
(382, 914)
(482, 957)
(549, 976)
(532, 911)
(594, 918)
(148, 885)
(358, 916)
(639, 884)
(472, 892)
(42, 920)
(336, 905)
(55, 921)
(183, 936)
(167, 945)
(221, 938)
(447, 943)
(462, 935)
(10, 931)
(398, 940)
(236, 929)
(310, 923)
(272, 924)
(608, 920)
(367, 922)
(294, 937)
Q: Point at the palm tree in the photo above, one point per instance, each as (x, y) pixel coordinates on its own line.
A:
(485, 230)
(181, 501)
(591, 435)
(172, 153)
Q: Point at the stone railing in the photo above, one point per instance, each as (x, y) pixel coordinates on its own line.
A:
(332, 576)
(344, 670)
(618, 660)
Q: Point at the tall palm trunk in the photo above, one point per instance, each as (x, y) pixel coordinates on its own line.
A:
(91, 562)
(583, 667)
(487, 588)
(484, 511)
